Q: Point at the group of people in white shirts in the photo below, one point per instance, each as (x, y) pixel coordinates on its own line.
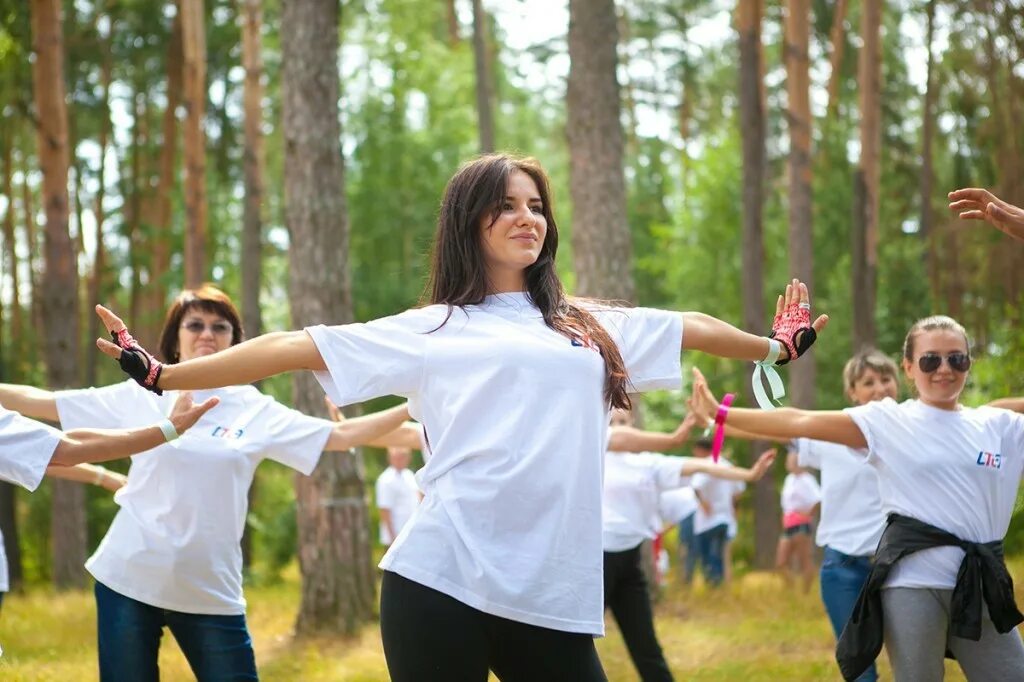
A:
(509, 561)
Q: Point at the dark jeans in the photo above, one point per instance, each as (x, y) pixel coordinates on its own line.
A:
(218, 648)
(711, 545)
(431, 637)
(625, 593)
(842, 577)
(688, 544)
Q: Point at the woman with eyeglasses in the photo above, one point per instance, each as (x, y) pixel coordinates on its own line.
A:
(948, 479)
(172, 556)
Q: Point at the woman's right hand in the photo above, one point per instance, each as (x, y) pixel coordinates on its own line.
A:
(702, 402)
(185, 413)
(136, 361)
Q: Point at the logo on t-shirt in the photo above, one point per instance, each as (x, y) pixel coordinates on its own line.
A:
(224, 432)
(990, 460)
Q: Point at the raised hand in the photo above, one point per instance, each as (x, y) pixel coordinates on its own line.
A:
(136, 361)
(975, 203)
(333, 411)
(762, 465)
(702, 402)
(185, 413)
(792, 325)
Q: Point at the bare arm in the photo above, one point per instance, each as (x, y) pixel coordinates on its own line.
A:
(408, 435)
(101, 445)
(368, 429)
(89, 473)
(631, 439)
(704, 504)
(253, 360)
(1014, 404)
(30, 401)
(385, 519)
(784, 423)
(731, 473)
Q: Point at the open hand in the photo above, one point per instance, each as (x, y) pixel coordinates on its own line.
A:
(185, 413)
(795, 299)
(975, 203)
(702, 402)
(113, 324)
(762, 465)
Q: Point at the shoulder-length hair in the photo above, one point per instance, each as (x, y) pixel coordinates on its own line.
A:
(458, 274)
(206, 298)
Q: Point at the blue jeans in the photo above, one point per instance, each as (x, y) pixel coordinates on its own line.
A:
(218, 648)
(842, 577)
(711, 545)
(687, 543)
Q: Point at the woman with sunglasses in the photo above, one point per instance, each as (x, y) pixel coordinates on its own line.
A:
(500, 568)
(172, 556)
(948, 479)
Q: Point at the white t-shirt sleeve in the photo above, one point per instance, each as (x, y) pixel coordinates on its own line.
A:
(293, 438)
(668, 472)
(807, 454)
(377, 358)
(385, 498)
(26, 448)
(650, 342)
(1013, 436)
(875, 419)
(108, 407)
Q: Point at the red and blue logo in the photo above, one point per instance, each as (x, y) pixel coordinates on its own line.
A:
(990, 460)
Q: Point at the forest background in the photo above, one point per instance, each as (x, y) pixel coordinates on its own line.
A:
(701, 153)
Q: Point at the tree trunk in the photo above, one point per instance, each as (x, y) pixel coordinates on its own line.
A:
(926, 227)
(96, 291)
(334, 540)
(838, 39)
(453, 22)
(601, 239)
(749, 16)
(867, 177)
(60, 285)
(32, 239)
(484, 79)
(801, 242)
(193, 42)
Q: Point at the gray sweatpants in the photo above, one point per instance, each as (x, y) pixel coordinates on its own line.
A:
(917, 634)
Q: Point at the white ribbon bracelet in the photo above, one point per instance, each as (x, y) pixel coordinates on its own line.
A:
(167, 428)
(766, 368)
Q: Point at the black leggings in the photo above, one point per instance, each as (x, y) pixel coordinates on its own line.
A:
(429, 636)
(625, 593)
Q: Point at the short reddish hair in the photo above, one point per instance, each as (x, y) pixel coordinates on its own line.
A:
(207, 298)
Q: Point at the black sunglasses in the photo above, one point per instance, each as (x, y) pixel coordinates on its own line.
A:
(959, 362)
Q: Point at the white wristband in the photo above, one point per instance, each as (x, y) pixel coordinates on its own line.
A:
(774, 351)
(100, 473)
(167, 428)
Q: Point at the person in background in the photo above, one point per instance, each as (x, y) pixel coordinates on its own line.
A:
(800, 497)
(397, 494)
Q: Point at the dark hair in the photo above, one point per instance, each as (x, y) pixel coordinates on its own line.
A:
(933, 323)
(458, 274)
(206, 298)
(703, 443)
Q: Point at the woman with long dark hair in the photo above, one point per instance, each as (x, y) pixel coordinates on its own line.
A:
(501, 566)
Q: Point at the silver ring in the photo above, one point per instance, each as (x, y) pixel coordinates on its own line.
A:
(805, 306)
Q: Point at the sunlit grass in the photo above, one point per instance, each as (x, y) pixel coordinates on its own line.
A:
(751, 631)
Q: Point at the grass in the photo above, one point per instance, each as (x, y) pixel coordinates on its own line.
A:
(752, 631)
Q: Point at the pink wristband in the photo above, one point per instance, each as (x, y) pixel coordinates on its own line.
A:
(723, 412)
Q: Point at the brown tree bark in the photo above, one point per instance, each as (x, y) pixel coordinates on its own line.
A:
(484, 78)
(601, 240)
(453, 22)
(801, 242)
(749, 17)
(867, 177)
(60, 285)
(838, 40)
(32, 238)
(334, 541)
(193, 41)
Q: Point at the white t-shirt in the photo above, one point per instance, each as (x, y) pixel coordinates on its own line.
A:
(633, 484)
(516, 419)
(396, 491)
(718, 493)
(676, 505)
(174, 543)
(957, 470)
(26, 448)
(800, 492)
(851, 509)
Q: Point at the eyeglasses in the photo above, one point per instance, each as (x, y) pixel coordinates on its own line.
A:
(216, 328)
(958, 362)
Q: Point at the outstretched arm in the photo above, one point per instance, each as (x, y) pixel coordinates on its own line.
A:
(974, 203)
(101, 445)
(631, 439)
(89, 473)
(368, 429)
(1014, 404)
(711, 335)
(29, 401)
(732, 473)
(784, 423)
(252, 360)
